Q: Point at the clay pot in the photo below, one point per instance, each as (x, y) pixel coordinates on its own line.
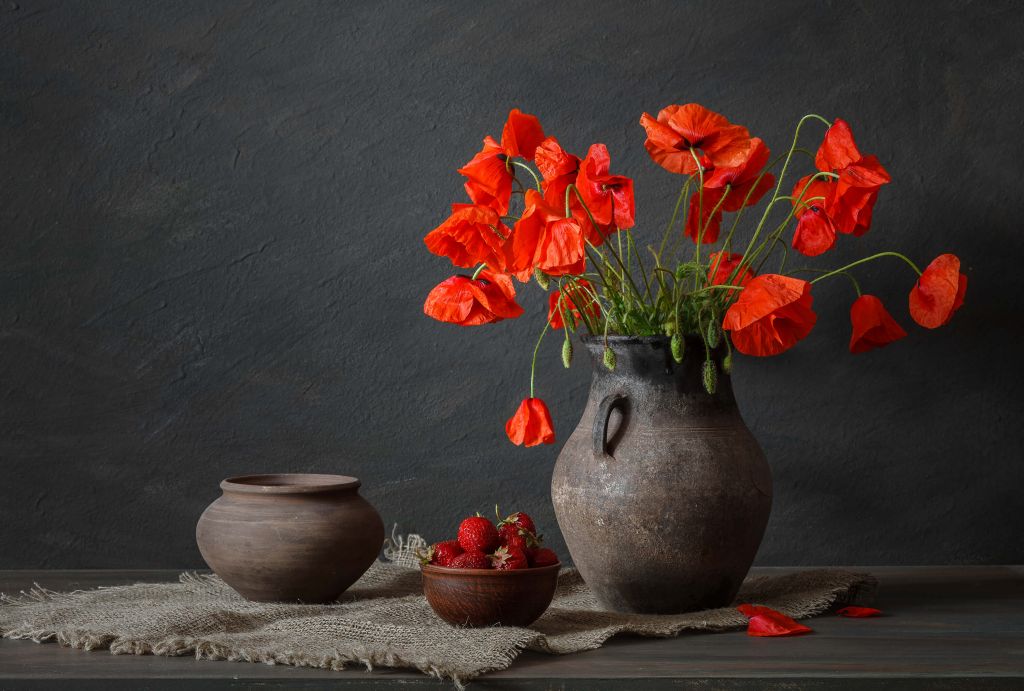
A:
(661, 492)
(290, 538)
(480, 597)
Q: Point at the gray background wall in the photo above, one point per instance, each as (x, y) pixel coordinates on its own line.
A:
(211, 262)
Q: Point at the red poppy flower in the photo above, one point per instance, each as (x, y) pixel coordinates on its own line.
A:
(765, 621)
(558, 169)
(578, 297)
(489, 180)
(726, 189)
(471, 235)
(467, 302)
(521, 135)
(609, 197)
(544, 239)
(678, 129)
(531, 425)
(489, 172)
(858, 612)
(719, 276)
(873, 326)
(771, 314)
(938, 293)
(815, 230)
(860, 177)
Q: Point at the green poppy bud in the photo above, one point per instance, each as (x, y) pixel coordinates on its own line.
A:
(566, 353)
(714, 333)
(710, 376)
(609, 358)
(727, 364)
(678, 347)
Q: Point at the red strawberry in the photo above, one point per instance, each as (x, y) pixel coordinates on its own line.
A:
(442, 553)
(477, 534)
(543, 557)
(470, 560)
(519, 539)
(520, 520)
(509, 558)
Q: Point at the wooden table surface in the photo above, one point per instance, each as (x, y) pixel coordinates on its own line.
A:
(945, 627)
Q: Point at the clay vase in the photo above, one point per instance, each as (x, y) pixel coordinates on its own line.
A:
(290, 538)
(661, 492)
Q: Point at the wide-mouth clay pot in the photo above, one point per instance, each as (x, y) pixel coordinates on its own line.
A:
(482, 597)
(290, 537)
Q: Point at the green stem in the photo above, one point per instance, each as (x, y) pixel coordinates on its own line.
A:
(533, 364)
(675, 214)
(843, 269)
(529, 170)
(478, 270)
(853, 280)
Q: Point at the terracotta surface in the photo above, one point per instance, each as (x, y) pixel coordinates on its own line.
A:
(478, 597)
(290, 537)
(661, 492)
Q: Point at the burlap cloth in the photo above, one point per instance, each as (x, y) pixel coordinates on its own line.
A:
(383, 620)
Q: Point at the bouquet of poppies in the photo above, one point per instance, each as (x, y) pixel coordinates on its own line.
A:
(537, 212)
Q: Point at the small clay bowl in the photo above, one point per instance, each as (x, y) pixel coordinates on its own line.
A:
(481, 597)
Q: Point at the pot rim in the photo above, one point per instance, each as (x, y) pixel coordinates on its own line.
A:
(435, 570)
(288, 483)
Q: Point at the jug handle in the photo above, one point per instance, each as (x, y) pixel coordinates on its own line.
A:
(604, 411)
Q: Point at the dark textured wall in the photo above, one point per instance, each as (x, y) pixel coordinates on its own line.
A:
(211, 262)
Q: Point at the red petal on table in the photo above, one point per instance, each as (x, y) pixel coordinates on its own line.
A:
(858, 612)
(765, 621)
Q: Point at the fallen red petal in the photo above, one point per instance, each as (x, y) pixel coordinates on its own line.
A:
(765, 621)
(859, 612)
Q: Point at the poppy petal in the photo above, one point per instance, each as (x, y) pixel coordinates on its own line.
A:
(873, 326)
(765, 621)
(771, 315)
(531, 424)
(938, 293)
(837, 150)
(858, 612)
(521, 135)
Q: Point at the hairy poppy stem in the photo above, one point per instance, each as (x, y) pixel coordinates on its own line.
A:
(478, 270)
(843, 269)
(533, 364)
(856, 284)
(529, 170)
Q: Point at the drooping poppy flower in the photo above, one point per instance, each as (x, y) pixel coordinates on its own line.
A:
(678, 129)
(462, 300)
(873, 326)
(521, 135)
(544, 239)
(472, 235)
(489, 179)
(608, 197)
(704, 216)
(531, 425)
(815, 230)
(856, 612)
(938, 293)
(771, 314)
(860, 177)
(577, 298)
(489, 173)
(765, 621)
(721, 266)
(558, 169)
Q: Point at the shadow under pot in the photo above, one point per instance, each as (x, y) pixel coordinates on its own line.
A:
(290, 537)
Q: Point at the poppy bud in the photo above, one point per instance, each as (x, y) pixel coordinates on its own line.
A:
(609, 358)
(710, 376)
(678, 347)
(714, 333)
(569, 320)
(542, 279)
(727, 363)
(566, 353)
(670, 328)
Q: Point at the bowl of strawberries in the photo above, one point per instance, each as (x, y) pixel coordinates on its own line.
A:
(491, 574)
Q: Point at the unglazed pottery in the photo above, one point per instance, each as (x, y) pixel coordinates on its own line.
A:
(481, 597)
(290, 538)
(661, 492)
